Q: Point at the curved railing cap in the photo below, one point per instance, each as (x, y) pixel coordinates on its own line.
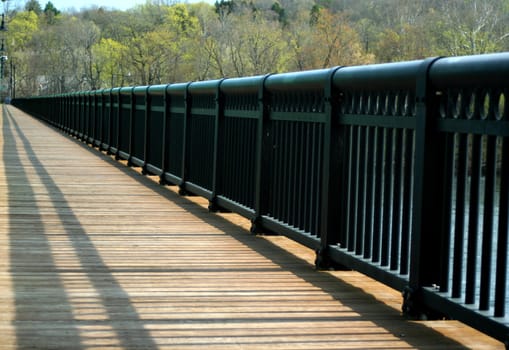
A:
(471, 71)
(242, 85)
(177, 89)
(299, 80)
(126, 90)
(205, 87)
(106, 92)
(157, 89)
(140, 90)
(387, 76)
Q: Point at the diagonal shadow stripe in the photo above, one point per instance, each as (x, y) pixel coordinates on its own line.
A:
(103, 282)
(23, 240)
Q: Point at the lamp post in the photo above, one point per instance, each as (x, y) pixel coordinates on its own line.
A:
(5, 90)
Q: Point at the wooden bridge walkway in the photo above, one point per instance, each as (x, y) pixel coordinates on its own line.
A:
(94, 255)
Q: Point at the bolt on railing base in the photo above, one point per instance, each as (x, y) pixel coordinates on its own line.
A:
(414, 308)
(323, 262)
(216, 208)
(256, 227)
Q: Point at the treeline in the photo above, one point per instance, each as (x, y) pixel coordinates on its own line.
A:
(56, 51)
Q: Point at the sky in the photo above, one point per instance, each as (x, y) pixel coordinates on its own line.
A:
(63, 5)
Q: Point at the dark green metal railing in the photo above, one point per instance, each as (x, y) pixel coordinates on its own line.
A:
(397, 170)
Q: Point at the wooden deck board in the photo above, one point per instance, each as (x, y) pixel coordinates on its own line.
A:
(94, 255)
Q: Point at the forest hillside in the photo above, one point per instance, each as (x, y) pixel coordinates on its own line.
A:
(54, 51)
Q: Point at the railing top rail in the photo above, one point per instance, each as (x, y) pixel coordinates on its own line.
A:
(242, 85)
(126, 90)
(140, 90)
(204, 87)
(157, 89)
(387, 76)
(308, 80)
(177, 89)
(490, 70)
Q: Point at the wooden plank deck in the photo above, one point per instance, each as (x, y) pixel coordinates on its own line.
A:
(94, 255)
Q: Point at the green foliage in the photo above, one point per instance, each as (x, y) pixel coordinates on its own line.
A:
(50, 9)
(109, 62)
(22, 27)
(50, 13)
(165, 41)
(34, 6)
(281, 13)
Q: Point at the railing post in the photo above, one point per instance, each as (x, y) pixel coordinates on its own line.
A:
(132, 112)
(329, 221)
(166, 113)
(262, 163)
(114, 144)
(185, 139)
(107, 136)
(429, 235)
(218, 139)
(148, 107)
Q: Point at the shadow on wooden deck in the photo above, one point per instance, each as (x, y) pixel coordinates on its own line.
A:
(25, 263)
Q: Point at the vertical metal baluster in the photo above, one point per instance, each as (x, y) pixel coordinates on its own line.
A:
(361, 191)
(487, 241)
(503, 230)
(300, 198)
(244, 157)
(308, 171)
(313, 211)
(408, 144)
(319, 178)
(289, 171)
(396, 200)
(378, 197)
(278, 167)
(473, 219)
(370, 192)
(387, 195)
(350, 209)
(459, 226)
(448, 185)
(293, 198)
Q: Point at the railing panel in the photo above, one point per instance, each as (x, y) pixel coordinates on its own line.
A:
(201, 135)
(472, 119)
(125, 120)
(175, 133)
(106, 128)
(114, 120)
(80, 127)
(377, 118)
(240, 137)
(155, 129)
(296, 175)
(92, 105)
(87, 115)
(238, 160)
(99, 115)
(65, 112)
(297, 116)
(75, 114)
(139, 122)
